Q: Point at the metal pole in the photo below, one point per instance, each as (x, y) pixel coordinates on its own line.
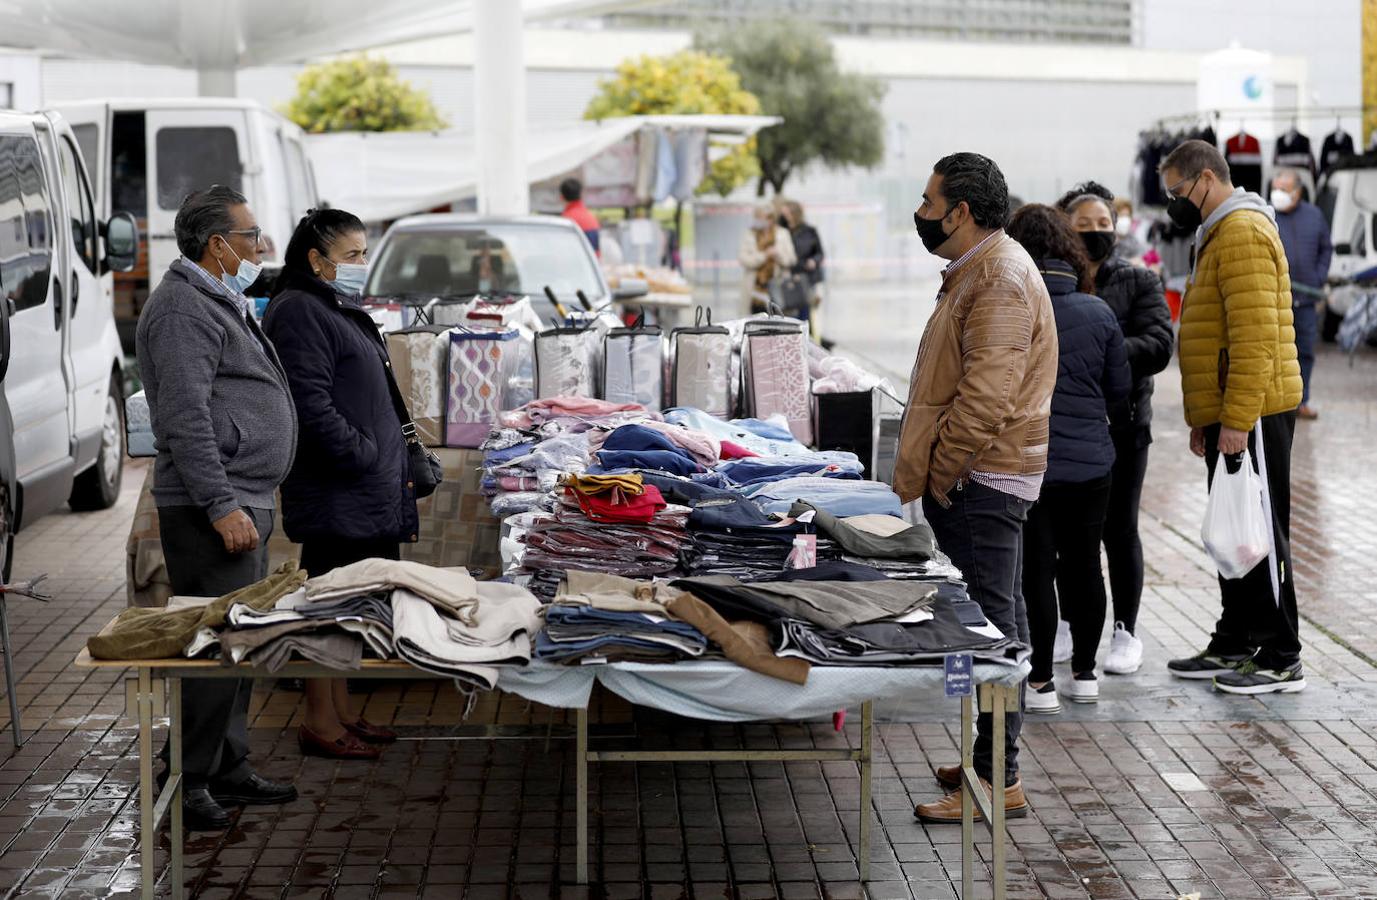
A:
(998, 701)
(11, 686)
(867, 724)
(581, 764)
(174, 777)
(148, 842)
(967, 805)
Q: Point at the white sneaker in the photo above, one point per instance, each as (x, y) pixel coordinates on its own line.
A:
(1043, 700)
(1084, 688)
(1125, 652)
(1061, 650)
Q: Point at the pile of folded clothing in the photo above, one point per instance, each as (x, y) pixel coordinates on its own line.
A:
(332, 633)
(885, 543)
(843, 614)
(733, 536)
(576, 633)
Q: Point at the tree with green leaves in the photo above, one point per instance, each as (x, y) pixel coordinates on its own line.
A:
(830, 116)
(359, 94)
(688, 82)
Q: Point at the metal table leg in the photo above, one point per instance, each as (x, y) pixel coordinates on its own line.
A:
(967, 803)
(148, 840)
(11, 686)
(867, 727)
(998, 697)
(581, 768)
(174, 783)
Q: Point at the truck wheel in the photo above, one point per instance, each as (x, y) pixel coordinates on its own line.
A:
(99, 486)
(1329, 326)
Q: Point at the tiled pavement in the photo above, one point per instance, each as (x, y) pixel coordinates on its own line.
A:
(1162, 789)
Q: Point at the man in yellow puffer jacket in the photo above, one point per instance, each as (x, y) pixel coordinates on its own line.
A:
(1239, 368)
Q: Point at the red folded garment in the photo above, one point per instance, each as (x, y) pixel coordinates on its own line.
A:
(639, 508)
(736, 451)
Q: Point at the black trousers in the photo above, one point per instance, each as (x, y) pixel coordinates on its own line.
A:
(1122, 545)
(1061, 562)
(321, 555)
(215, 726)
(982, 532)
(1252, 621)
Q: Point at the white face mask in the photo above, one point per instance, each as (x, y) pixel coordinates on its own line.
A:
(1123, 226)
(243, 277)
(1281, 200)
(350, 277)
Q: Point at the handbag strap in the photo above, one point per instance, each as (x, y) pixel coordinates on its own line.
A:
(399, 406)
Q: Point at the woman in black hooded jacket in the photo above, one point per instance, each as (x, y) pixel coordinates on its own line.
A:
(348, 496)
(1135, 294)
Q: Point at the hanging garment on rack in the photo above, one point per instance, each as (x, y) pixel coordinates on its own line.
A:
(1336, 146)
(1207, 135)
(1293, 151)
(1146, 180)
(1244, 155)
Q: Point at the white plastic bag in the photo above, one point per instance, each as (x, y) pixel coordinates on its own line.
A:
(1238, 524)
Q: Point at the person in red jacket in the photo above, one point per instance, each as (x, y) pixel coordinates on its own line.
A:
(571, 189)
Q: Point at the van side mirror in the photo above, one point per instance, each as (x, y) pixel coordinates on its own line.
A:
(1343, 249)
(121, 242)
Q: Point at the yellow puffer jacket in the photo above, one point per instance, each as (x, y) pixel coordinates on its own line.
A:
(1238, 340)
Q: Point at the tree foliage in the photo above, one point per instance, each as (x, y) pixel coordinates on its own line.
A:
(830, 116)
(688, 82)
(359, 94)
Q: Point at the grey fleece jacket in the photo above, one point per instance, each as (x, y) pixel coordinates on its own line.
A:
(223, 421)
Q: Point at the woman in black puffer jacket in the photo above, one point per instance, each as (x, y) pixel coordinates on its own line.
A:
(1135, 294)
(348, 497)
(1061, 558)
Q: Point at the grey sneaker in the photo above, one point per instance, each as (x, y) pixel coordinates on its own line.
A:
(1250, 678)
(1205, 665)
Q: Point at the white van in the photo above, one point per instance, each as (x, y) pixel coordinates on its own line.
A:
(61, 437)
(145, 156)
(1348, 198)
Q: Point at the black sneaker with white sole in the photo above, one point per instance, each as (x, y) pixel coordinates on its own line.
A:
(1250, 678)
(1205, 665)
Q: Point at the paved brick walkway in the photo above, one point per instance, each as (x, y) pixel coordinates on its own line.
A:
(1160, 790)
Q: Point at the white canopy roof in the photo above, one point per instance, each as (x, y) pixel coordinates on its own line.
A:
(229, 34)
(385, 176)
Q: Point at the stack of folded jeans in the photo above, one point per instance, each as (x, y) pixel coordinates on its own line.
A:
(839, 496)
(577, 633)
(733, 536)
(744, 473)
(883, 542)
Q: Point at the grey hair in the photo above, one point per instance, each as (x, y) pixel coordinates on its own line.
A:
(1293, 173)
(1076, 202)
(202, 215)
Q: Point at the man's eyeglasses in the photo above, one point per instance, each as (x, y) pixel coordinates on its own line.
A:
(256, 233)
(1171, 191)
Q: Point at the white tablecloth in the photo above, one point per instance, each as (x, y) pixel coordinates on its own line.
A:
(722, 691)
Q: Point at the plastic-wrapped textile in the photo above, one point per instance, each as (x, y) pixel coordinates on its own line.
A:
(701, 370)
(774, 375)
(566, 362)
(419, 357)
(481, 367)
(633, 366)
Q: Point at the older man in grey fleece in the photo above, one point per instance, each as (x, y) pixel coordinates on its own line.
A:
(225, 432)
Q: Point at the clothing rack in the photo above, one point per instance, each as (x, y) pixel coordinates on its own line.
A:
(1273, 114)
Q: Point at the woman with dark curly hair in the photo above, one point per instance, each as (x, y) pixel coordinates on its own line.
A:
(1061, 557)
(1135, 295)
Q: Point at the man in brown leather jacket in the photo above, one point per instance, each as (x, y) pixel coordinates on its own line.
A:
(973, 445)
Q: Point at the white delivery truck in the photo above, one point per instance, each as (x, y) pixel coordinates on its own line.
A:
(145, 156)
(61, 435)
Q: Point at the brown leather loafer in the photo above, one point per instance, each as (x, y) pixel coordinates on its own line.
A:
(1307, 412)
(949, 777)
(366, 731)
(344, 747)
(947, 811)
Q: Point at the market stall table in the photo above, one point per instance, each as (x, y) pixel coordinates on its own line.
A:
(687, 688)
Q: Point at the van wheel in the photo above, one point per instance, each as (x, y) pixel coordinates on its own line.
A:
(99, 486)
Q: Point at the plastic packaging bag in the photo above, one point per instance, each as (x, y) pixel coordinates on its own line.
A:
(1238, 526)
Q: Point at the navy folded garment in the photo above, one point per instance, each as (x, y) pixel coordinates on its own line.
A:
(676, 462)
(729, 511)
(684, 491)
(831, 570)
(638, 437)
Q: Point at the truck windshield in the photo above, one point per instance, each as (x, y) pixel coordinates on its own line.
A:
(460, 260)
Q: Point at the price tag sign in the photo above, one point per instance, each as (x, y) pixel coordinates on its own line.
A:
(958, 674)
